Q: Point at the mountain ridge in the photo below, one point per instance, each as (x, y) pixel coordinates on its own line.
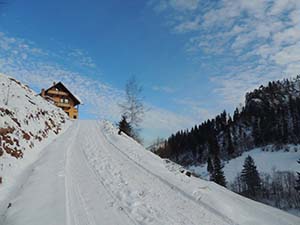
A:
(270, 116)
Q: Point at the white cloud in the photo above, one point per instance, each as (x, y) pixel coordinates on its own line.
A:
(180, 5)
(195, 108)
(280, 6)
(288, 55)
(82, 58)
(241, 40)
(257, 40)
(293, 68)
(187, 26)
(294, 16)
(159, 122)
(233, 86)
(163, 120)
(288, 36)
(184, 4)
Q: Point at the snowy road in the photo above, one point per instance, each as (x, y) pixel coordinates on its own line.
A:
(128, 192)
(92, 176)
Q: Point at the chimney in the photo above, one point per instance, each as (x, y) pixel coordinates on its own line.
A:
(43, 92)
(54, 83)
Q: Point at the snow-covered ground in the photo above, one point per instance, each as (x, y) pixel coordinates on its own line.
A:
(92, 175)
(27, 124)
(266, 162)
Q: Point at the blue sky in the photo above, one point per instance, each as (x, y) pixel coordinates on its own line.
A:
(194, 58)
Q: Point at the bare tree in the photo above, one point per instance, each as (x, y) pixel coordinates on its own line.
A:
(277, 189)
(133, 108)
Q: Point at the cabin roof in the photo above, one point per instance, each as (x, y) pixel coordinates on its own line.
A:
(61, 85)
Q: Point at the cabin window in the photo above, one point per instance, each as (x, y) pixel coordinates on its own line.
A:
(56, 89)
(64, 100)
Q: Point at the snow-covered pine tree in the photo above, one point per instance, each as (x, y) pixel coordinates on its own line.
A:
(250, 177)
(125, 127)
(218, 175)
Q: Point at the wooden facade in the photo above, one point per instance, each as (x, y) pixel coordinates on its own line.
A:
(60, 96)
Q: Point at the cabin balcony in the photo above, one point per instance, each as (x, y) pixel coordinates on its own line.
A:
(54, 92)
(63, 104)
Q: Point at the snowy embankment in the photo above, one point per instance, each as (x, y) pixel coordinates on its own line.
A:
(27, 124)
(92, 175)
(266, 162)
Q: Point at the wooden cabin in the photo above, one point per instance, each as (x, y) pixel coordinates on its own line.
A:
(60, 96)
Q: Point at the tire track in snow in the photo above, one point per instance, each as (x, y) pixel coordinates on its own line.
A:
(101, 182)
(182, 219)
(74, 158)
(68, 204)
(172, 187)
(74, 197)
(92, 145)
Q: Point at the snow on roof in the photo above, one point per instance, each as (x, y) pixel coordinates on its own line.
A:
(67, 89)
(76, 96)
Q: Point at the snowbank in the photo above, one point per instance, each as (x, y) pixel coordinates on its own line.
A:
(27, 124)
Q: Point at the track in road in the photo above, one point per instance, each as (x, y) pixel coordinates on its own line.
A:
(145, 197)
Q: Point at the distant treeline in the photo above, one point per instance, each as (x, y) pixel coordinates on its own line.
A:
(271, 115)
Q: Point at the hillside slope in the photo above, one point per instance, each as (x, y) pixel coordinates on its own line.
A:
(27, 124)
(266, 162)
(267, 128)
(92, 175)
